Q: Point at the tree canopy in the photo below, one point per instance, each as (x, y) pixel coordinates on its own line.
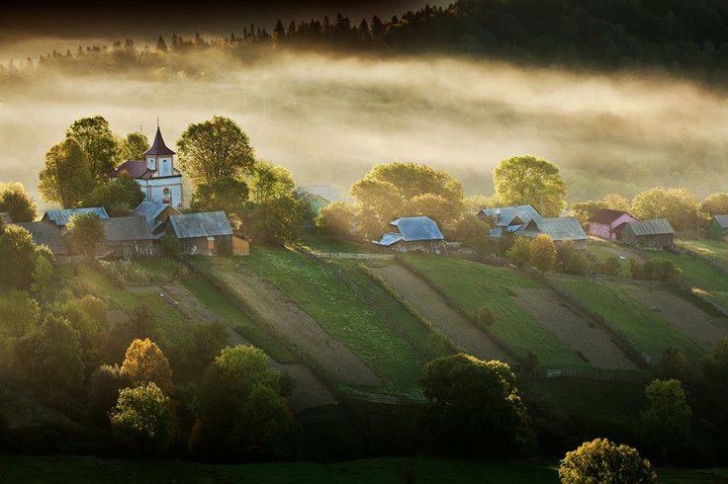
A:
(604, 462)
(85, 231)
(665, 423)
(134, 146)
(677, 205)
(15, 201)
(144, 362)
(66, 177)
(527, 180)
(99, 143)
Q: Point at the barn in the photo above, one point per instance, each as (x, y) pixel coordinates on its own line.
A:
(207, 233)
(560, 229)
(652, 234)
(156, 214)
(606, 223)
(717, 228)
(414, 234)
(127, 238)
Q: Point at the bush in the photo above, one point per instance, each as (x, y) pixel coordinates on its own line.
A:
(176, 271)
(483, 317)
(610, 267)
(654, 270)
(604, 462)
(571, 260)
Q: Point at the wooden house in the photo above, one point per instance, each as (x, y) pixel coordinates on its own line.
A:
(207, 233)
(127, 238)
(649, 234)
(157, 215)
(560, 229)
(717, 228)
(508, 220)
(49, 234)
(414, 234)
(61, 217)
(608, 224)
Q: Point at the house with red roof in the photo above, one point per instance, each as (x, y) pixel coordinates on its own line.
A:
(160, 181)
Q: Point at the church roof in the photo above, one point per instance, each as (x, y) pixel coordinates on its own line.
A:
(158, 147)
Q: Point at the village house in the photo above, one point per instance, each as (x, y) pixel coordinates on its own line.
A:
(60, 218)
(508, 220)
(47, 233)
(560, 229)
(717, 228)
(156, 215)
(608, 224)
(414, 234)
(207, 233)
(649, 234)
(127, 238)
(157, 176)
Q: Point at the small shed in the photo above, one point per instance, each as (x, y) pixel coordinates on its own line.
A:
(560, 229)
(127, 238)
(206, 233)
(241, 246)
(156, 214)
(62, 217)
(604, 223)
(653, 234)
(414, 234)
(717, 228)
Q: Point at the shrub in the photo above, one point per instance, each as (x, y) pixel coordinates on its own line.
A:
(654, 270)
(674, 365)
(610, 267)
(604, 462)
(571, 260)
(520, 251)
(483, 317)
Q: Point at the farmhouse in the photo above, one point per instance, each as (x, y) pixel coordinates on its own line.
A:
(126, 238)
(717, 228)
(505, 220)
(655, 233)
(207, 233)
(608, 224)
(156, 215)
(414, 234)
(560, 229)
(159, 180)
(49, 234)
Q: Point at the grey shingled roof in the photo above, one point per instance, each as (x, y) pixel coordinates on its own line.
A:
(327, 192)
(62, 217)
(721, 219)
(418, 228)
(48, 234)
(658, 226)
(504, 216)
(206, 224)
(126, 229)
(558, 228)
(151, 210)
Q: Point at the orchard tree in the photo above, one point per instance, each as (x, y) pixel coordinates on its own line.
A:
(665, 424)
(604, 462)
(66, 177)
(17, 203)
(119, 197)
(134, 146)
(144, 362)
(526, 180)
(543, 253)
(85, 231)
(100, 145)
(213, 149)
(474, 406)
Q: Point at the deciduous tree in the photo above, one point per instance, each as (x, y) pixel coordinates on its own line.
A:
(119, 197)
(527, 180)
(66, 177)
(542, 253)
(100, 145)
(604, 462)
(677, 205)
(665, 424)
(17, 257)
(144, 362)
(17, 203)
(85, 231)
(134, 145)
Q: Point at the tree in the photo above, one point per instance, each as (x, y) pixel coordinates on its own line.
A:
(336, 219)
(604, 462)
(144, 362)
(198, 350)
(716, 367)
(715, 204)
(18, 315)
(17, 203)
(615, 201)
(225, 193)
(526, 180)
(276, 222)
(135, 144)
(66, 177)
(474, 407)
(17, 257)
(214, 149)
(520, 251)
(471, 231)
(679, 206)
(144, 420)
(85, 231)
(106, 383)
(665, 424)
(674, 365)
(99, 143)
(571, 260)
(119, 197)
(542, 253)
(270, 182)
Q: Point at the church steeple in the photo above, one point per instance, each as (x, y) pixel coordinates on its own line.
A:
(158, 147)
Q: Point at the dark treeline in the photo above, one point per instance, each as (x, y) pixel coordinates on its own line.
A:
(687, 37)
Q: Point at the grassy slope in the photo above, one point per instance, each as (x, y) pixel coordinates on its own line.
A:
(650, 332)
(712, 249)
(342, 313)
(472, 286)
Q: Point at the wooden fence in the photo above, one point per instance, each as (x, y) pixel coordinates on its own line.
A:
(594, 374)
(352, 255)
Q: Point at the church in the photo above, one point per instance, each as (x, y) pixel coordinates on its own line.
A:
(160, 181)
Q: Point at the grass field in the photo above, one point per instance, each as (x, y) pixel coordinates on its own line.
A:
(647, 329)
(373, 335)
(712, 249)
(472, 286)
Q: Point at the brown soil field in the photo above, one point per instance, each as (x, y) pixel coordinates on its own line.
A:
(575, 330)
(433, 307)
(685, 316)
(286, 318)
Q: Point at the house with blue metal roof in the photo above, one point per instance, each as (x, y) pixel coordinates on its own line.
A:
(414, 234)
(61, 217)
(508, 220)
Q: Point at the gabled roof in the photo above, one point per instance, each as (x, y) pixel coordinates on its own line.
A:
(62, 217)
(390, 238)
(206, 224)
(658, 226)
(151, 210)
(607, 216)
(327, 192)
(158, 147)
(126, 229)
(135, 169)
(722, 220)
(47, 233)
(414, 229)
(505, 216)
(6, 218)
(558, 228)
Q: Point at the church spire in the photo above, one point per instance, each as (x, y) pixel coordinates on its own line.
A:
(158, 147)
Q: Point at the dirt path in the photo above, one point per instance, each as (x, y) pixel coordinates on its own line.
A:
(193, 305)
(288, 319)
(575, 330)
(685, 316)
(433, 307)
